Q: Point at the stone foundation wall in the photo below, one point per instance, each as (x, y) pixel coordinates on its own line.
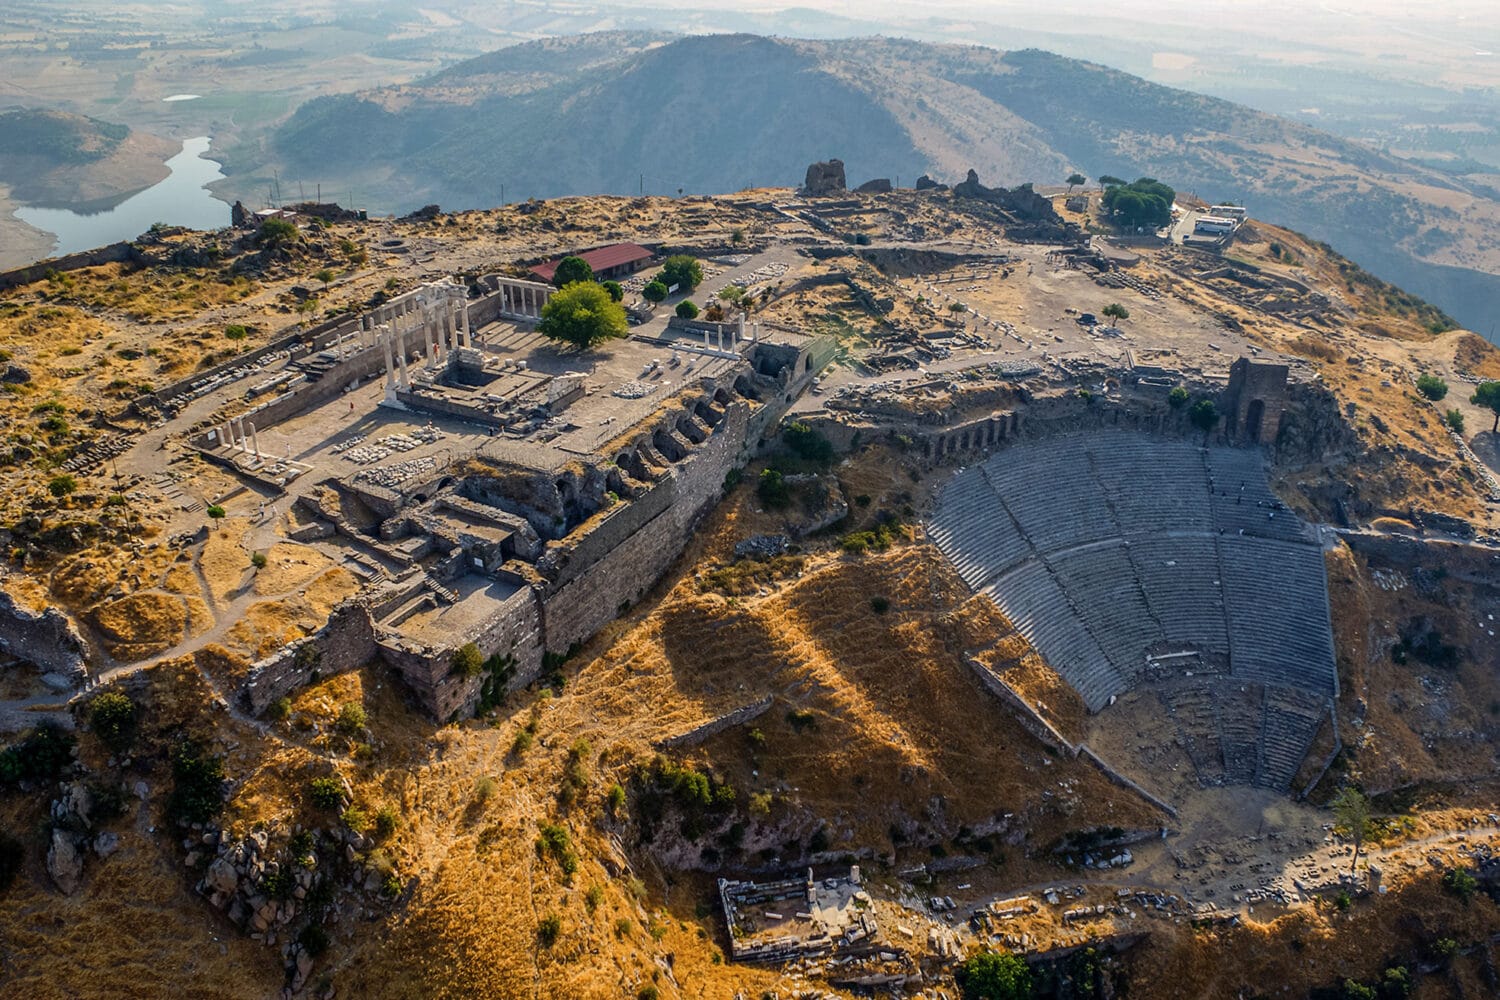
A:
(515, 629)
(577, 609)
(346, 642)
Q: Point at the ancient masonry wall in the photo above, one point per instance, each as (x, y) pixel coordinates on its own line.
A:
(713, 727)
(346, 642)
(514, 629)
(576, 610)
(46, 639)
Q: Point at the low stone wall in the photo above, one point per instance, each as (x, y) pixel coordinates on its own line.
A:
(47, 638)
(115, 253)
(346, 642)
(1029, 718)
(713, 727)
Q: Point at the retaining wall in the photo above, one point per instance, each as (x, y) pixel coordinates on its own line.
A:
(713, 727)
(347, 641)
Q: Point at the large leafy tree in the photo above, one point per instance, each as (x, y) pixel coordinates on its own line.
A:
(1487, 395)
(682, 271)
(1143, 202)
(571, 269)
(583, 314)
(993, 975)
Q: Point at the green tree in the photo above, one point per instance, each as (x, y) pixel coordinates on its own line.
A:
(1116, 311)
(236, 332)
(1075, 179)
(198, 783)
(1177, 398)
(112, 715)
(1110, 180)
(1144, 202)
(583, 315)
(12, 853)
(1487, 395)
(1432, 387)
(571, 269)
(687, 310)
(654, 292)
(1352, 810)
(277, 232)
(1204, 415)
(61, 486)
(326, 276)
(1455, 420)
(468, 661)
(682, 271)
(615, 289)
(215, 512)
(993, 975)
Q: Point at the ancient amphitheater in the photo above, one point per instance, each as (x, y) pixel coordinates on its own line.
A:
(1130, 560)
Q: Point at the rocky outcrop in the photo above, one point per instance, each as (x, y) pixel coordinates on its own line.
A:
(241, 217)
(65, 860)
(880, 185)
(925, 183)
(72, 817)
(825, 178)
(1021, 202)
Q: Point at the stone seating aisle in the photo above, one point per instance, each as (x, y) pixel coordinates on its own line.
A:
(1102, 582)
(1037, 606)
(1238, 707)
(975, 530)
(1192, 707)
(1278, 614)
(1292, 720)
(1180, 577)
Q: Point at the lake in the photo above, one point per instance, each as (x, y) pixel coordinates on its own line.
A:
(180, 199)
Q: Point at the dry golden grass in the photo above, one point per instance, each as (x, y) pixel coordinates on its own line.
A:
(141, 624)
(224, 562)
(288, 567)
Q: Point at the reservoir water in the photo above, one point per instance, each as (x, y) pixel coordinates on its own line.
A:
(181, 199)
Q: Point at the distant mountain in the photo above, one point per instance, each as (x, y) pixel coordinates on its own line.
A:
(615, 112)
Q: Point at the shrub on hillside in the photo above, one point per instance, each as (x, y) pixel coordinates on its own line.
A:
(112, 716)
(1432, 387)
(198, 783)
(326, 793)
(351, 719)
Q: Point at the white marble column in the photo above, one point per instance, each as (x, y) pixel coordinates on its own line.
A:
(255, 440)
(405, 381)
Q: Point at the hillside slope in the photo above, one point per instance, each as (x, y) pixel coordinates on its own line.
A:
(618, 112)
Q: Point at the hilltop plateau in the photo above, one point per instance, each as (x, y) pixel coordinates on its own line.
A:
(623, 112)
(363, 641)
